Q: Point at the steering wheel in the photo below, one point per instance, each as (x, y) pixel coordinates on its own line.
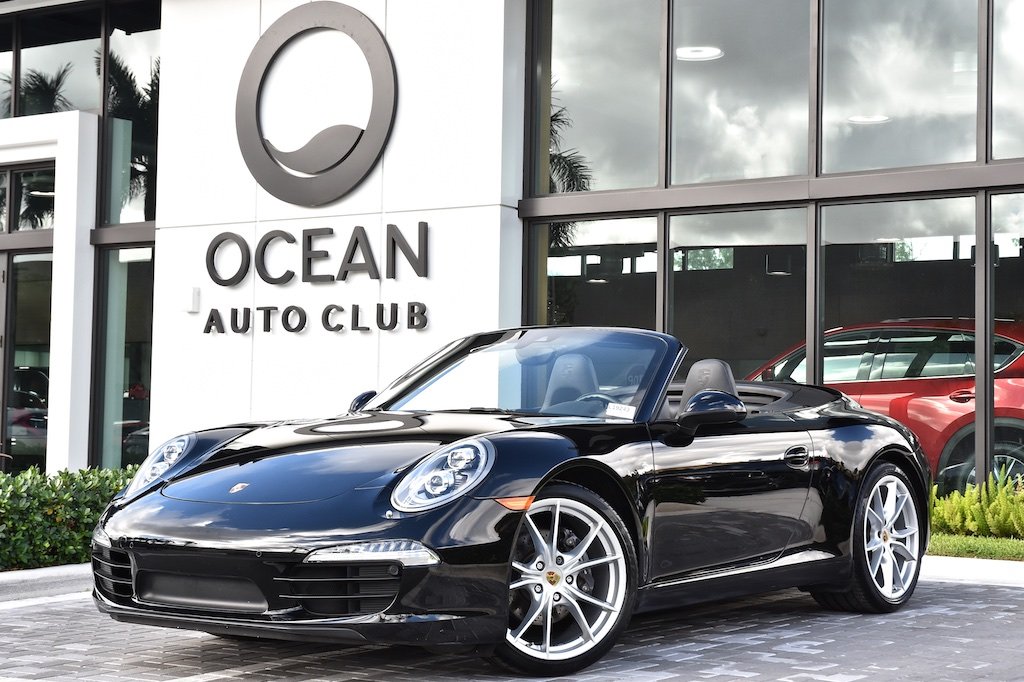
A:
(597, 396)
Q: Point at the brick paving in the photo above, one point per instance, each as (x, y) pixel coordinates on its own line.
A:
(948, 632)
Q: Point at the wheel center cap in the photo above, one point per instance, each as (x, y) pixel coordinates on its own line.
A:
(885, 536)
(552, 578)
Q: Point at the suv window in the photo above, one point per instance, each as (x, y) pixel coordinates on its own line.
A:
(933, 353)
(845, 354)
(861, 355)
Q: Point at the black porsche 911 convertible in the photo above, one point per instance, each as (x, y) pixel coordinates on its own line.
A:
(521, 492)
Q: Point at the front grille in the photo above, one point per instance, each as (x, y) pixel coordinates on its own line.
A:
(341, 589)
(112, 570)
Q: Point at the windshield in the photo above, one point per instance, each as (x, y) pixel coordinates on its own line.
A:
(572, 372)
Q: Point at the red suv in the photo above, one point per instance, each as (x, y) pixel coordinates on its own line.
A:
(921, 372)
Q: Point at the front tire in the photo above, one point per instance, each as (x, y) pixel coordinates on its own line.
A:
(572, 583)
(887, 546)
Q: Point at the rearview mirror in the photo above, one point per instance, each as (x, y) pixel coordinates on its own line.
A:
(710, 407)
(360, 401)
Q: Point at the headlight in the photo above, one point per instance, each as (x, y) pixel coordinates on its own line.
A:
(159, 461)
(444, 475)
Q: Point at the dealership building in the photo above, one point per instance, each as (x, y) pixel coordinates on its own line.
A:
(230, 210)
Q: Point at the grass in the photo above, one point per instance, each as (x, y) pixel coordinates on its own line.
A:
(943, 544)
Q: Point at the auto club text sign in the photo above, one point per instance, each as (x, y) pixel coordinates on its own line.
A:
(317, 266)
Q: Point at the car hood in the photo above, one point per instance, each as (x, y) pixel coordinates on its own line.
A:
(307, 461)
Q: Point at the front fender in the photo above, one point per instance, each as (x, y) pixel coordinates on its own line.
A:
(522, 462)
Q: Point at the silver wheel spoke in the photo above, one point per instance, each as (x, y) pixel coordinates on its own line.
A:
(553, 550)
(581, 549)
(874, 560)
(576, 612)
(547, 627)
(538, 539)
(531, 615)
(875, 516)
(901, 533)
(583, 596)
(888, 568)
(902, 551)
(889, 504)
(873, 543)
(901, 502)
(576, 568)
(525, 581)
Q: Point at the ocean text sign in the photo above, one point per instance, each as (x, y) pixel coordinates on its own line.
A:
(315, 265)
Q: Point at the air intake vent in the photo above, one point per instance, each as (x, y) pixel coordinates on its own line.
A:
(112, 570)
(341, 589)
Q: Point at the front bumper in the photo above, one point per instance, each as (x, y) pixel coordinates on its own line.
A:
(217, 580)
(408, 629)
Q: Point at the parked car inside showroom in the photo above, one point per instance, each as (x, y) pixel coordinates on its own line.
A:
(920, 371)
(522, 493)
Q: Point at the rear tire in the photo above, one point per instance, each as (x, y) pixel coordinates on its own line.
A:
(887, 546)
(572, 584)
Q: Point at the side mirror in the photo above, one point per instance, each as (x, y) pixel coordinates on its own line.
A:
(768, 374)
(360, 400)
(710, 407)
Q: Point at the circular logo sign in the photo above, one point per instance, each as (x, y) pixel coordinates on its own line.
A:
(337, 159)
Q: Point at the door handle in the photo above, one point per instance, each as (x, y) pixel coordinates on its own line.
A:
(797, 457)
(962, 396)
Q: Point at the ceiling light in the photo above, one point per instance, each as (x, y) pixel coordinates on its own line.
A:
(41, 193)
(868, 119)
(704, 53)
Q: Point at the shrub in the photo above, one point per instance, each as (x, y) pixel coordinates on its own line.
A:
(995, 508)
(48, 520)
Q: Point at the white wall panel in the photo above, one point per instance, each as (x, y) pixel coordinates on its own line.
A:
(454, 160)
(199, 380)
(203, 179)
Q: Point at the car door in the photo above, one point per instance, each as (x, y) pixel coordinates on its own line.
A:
(729, 495)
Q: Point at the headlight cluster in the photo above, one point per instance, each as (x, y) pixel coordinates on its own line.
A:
(159, 461)
(443, 475)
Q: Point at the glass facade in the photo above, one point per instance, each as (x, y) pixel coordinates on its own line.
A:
(1008, 329)
(827, 172)
(597, 116)
(737, 284)
(1007, 80)
(6, 68)
(32, 199)
(58, 54)
(739, 89)
(133, 99)
(125, 352)
(100, 57)
(593, 265)
(900, 83)
(27, 360)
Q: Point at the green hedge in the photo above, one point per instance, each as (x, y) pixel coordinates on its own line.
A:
(995, 509)
(48, 520)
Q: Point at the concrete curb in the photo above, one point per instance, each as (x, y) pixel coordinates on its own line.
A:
(48, 573)
(972, 571)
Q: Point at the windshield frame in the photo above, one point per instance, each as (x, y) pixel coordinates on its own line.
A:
(668, 353)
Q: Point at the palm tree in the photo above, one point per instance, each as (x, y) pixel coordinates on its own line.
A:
(139, 105)
(39, 93)
(568, 172)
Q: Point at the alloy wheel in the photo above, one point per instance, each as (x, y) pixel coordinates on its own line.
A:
(891, 537)
(568, 583)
